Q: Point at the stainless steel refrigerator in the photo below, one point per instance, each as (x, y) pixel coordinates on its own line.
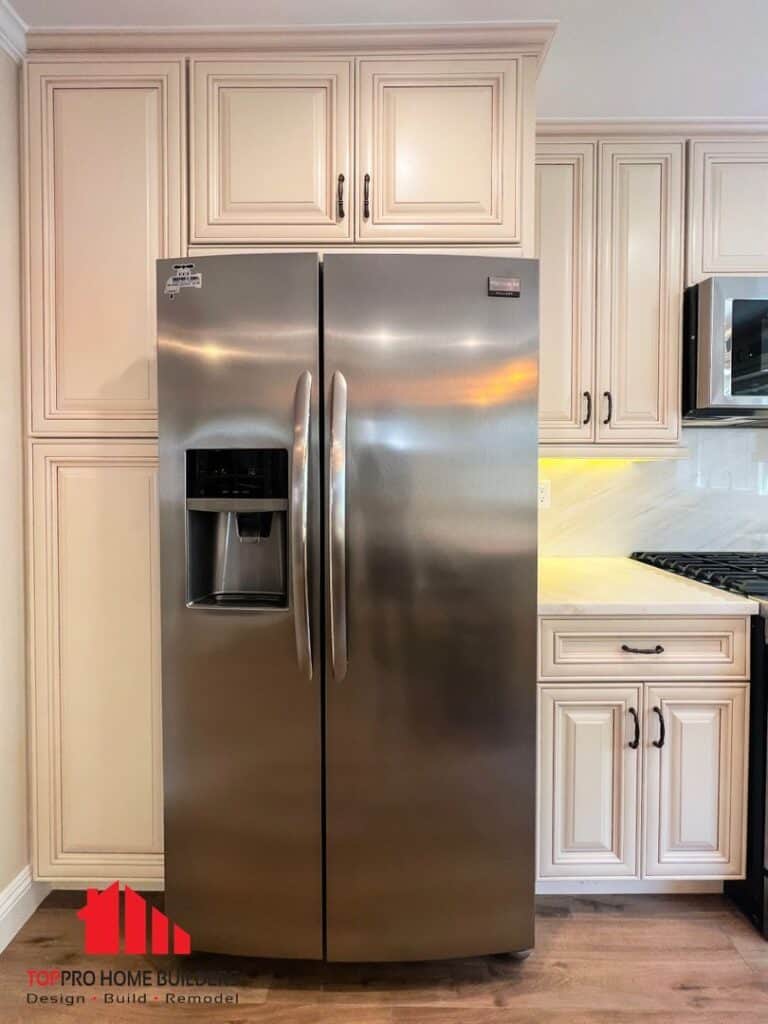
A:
(348, 549)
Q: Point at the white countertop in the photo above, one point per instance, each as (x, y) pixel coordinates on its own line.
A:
(621, 586)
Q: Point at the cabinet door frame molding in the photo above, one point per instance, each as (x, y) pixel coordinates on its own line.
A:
(49, 412)
(506, 220)
(579, 158)
(214, 217)
(723, 710)
(709, 160)
(47, 461)
(617, 422)
(564, 712)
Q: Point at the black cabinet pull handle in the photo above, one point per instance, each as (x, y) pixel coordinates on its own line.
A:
(340, 197)
(588, 399)
(366, 197)
(662, 729)
(635, 743)
(658, 649)
(607, 394)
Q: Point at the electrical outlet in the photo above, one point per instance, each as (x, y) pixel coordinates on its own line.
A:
(545, 494)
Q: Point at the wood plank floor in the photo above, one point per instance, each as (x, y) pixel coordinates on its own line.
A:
(598, 960)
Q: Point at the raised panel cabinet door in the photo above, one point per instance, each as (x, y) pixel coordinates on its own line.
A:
(271, 145)
(565, 239)
(95, 665)
(589, 778)
(727, 207)
(445, 149)
(105, 145)
(639, 290)
(695, 762)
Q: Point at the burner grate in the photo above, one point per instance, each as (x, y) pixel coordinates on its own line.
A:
(743, 572)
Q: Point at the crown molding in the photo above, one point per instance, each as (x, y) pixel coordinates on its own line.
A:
(13, 32)
(651, 126)
(527, 36)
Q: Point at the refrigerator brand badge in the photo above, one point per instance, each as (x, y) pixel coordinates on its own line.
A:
(506, 287)
(183, 276)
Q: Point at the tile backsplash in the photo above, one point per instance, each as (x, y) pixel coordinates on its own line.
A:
(717, 498)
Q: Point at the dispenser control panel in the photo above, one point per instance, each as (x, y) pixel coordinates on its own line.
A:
(237, 473)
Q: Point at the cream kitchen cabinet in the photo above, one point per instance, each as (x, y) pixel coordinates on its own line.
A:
(639, 290)
(589, 781)
(695, 780)
(645, 781)
(727, 206)
(95, 662)
(610, 353)
(445, 149)
(105, 198)
(565, 245)
(271, 150)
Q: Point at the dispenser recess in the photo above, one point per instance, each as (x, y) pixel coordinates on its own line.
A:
(237, 507)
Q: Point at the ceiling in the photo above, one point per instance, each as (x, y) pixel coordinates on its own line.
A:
(631, 58)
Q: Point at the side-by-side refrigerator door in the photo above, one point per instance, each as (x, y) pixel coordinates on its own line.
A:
(240, 565)
(430, 385)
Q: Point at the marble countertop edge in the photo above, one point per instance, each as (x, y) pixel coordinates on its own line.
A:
(620, 586)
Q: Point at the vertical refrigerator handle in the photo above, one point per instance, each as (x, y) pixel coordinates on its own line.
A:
(337, 525)
(299, 500)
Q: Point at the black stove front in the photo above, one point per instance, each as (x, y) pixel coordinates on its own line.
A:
(742, 572)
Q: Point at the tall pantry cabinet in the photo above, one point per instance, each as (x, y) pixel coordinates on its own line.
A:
(104, 198)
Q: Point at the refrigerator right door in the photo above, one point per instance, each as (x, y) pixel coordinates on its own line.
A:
(431, 469)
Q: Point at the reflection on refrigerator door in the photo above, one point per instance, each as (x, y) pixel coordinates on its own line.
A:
(349, 631)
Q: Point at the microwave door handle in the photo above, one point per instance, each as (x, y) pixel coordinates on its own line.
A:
(299, 501)
(337, 525)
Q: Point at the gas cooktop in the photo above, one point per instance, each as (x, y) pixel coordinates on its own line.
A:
(743, 572)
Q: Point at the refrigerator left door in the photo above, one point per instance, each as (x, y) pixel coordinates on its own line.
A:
(240, 557)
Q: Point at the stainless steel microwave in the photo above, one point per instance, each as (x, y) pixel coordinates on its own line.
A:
(725, 351)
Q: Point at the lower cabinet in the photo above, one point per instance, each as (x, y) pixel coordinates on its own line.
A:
(644, 781)
(695, 780)
(589, 778)
(95, 661)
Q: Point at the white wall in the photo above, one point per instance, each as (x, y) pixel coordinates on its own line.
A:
(610, 58)
(14, 853)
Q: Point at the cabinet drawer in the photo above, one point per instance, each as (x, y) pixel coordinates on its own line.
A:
(680, 648)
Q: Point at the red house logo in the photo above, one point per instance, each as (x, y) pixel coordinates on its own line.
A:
(101, 914)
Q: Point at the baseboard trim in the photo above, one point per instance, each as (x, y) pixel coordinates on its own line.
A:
(624, 886)
(139, 884)
(18, 902)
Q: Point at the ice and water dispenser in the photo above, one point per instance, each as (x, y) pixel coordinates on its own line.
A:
(237, 508)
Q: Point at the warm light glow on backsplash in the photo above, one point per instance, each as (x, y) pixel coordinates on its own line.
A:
(607, 463)
(715, 498)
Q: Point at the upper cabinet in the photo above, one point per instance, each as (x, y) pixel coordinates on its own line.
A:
(271, 145)
(565, 241)
(105, 158)
(639, 291)
(727, 207)
(444, 149)
(609, 235)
